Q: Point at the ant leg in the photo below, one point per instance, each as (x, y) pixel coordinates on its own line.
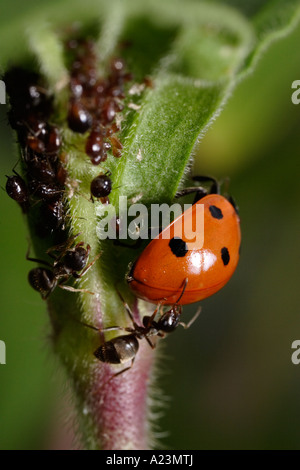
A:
(37, 260)
(215, 186)
(187, 325)
(72, 289)
(114, 328)
(87, 325)
(127, 308)
(151, 318)
(109, 328)
(124, 370)
(46, 295)
(40, 261)
(150, 342)
(200, 190)
(129, 312)
(62, 247)
(78, 276)
(119, 373)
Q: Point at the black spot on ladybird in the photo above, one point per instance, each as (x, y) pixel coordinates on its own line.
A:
(216, 212)
(178, 247)
(225, 255)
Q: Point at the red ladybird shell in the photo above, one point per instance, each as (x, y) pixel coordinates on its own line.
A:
(168, 264)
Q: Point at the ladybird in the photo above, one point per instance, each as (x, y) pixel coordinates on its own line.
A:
(169, 271)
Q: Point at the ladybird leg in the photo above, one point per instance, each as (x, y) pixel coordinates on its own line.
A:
(138, 242)
(234, 204)
(187, 325)
(183, 290)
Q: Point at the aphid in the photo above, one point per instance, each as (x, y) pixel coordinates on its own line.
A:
(61, 175)
(79, 119)
(116, 146)
(101, 186)
(109, 110)
(40, 168)
(45, 191)
(26, 96)
(76, 87)
(117, 66)
(16, 188)
(44, 138)
(96, 147)
(84, 66)
(159, 272)
(148, 82)
(71, 261)
(52, 217)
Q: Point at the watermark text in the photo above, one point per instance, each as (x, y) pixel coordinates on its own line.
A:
(2, 92)
(296, 354)
(138, 221)
(2, 352)
(296, 94)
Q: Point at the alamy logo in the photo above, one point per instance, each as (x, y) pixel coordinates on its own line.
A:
(134, 222)
(296, 354)
(2, 352)
(2, 92)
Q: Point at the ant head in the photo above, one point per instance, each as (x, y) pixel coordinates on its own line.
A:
(76, 259)
(169, 321)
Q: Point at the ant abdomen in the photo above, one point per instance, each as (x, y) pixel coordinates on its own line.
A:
(118, 350)
(42, 280)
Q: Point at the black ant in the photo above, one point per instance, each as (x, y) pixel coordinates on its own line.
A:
(124, 348)
(16, 188)
(68, 263)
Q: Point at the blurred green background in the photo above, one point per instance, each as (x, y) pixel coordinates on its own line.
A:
(228, 382)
